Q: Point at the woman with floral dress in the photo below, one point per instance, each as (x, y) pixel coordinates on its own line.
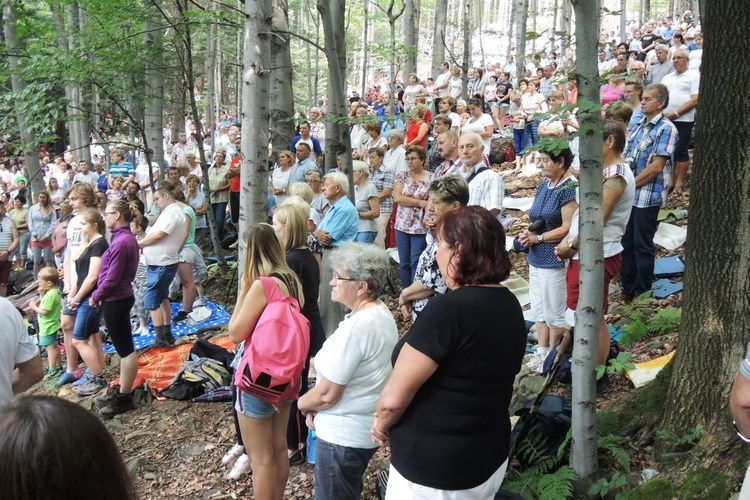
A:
(410, 193)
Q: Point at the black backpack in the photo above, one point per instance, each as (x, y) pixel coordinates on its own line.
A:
(538, 436)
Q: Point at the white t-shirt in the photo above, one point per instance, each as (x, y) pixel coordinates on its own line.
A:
(395, 160)
(681, 88)
(443, 78)
(89, 178)
(142, 175)
(478, 125)
(75, 246)
(614, 228)
(358, 356)
(16, 347)
(165, 251)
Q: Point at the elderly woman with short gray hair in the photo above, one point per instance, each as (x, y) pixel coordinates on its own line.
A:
(366, 201)
(352, 368)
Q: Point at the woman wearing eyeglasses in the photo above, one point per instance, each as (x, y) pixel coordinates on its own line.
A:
(446, 194)
(352, 368)
(410, 193)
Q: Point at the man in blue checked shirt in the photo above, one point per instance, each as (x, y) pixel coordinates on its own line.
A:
(649, 150)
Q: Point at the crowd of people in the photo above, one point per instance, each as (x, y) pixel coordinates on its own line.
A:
(422, 184)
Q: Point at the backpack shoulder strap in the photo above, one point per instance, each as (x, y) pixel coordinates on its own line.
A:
(474, 174)
(271, 289)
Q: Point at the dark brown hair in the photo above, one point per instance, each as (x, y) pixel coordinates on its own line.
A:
(479, 239)
(52, 448)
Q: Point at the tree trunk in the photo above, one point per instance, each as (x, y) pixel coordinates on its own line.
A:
(511, 25)
(534, 12)
(522, 7)
(646, 9)
(583, 457)
(623, 19)
(77, 142)
(337, 130)
(210, 88)
(308, 61)
(553, 34)
(479, 16)
(565, 22)
(154, 109)
(30, 147)
(466, 63)
(255, 113)
(438, 32)
(365, 42)
(190, 81)
(714, 331)
(410, 38)
(281, 105)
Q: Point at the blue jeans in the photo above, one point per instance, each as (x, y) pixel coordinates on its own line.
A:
(339, 469)
(410, 247)
(637, 271)
(220, 215)
(366, 237)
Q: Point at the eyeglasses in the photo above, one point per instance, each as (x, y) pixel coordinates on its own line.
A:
(413, 158)
(339, 278)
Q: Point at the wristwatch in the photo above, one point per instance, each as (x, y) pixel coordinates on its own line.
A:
(540, 238)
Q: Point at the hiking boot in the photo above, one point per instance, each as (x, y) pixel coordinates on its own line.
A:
(234, 452)
(91, 386)
(106, 399)
(70, 377)
(83, 378)
(602, 385)
(168, 334)
(241, 467)
(161, 338)
(120, 403)
(53, 373)
(181, 316)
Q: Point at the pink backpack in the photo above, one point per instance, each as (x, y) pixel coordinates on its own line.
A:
(276, 351)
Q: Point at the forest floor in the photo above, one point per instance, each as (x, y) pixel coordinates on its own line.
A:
(174, 448)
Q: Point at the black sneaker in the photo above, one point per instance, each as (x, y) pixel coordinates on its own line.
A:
(106, 399)
(181, 316)
(120, 404)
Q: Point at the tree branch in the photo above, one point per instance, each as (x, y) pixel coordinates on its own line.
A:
(296, 35)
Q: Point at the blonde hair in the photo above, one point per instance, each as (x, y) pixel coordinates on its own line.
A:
(293, 213)
(302, 190)
(48, 274)
(264, 257)
(92, 216)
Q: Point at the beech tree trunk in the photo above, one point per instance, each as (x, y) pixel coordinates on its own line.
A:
(438, 32)
(365, 55)
(583, 456)
(154, 109)
(30, 147)
(210, 79)
(466, 63)
(714, 331)
(255, 112)
(281, 103)
(410, 39)
(522, 7)
(337, 129)
(623, 19)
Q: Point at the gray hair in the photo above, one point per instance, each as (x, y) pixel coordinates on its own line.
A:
(366, 263)
(682, 52)
(314, 173)
(361, 167)
(340, 179)
(662, 47)
(399, 134)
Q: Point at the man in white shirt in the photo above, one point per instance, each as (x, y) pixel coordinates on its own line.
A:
(85, 175)
(445, 107)
(442, 83)
(161, 247)
(144, 180)
(486, 187)
(20, 364)
(683, 85)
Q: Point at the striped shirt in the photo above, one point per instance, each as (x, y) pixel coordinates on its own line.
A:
(381, 179)
(6, 233)
(655, 137)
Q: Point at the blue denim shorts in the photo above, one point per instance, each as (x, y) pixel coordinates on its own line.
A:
(252, 407)
(87, 320)
(158, 279)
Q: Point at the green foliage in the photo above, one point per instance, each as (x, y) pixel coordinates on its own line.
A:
(704, 483)
(613, 445)
(656, 488)
(680, 446)
(608, 423)
(617, 365)
(603, 486)
(553, 486)
(639, 327)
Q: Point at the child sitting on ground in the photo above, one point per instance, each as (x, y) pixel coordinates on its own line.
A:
(48, 314)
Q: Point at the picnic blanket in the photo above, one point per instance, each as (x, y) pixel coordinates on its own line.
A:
(218, 317)
(159, 365)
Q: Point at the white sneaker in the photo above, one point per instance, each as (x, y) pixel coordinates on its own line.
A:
(241, 467)
(536, 362)
(234, 452)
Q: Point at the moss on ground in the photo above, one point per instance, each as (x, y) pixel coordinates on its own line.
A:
(656, 488)
(704, 483)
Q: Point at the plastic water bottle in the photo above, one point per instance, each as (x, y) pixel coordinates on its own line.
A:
(312, 440)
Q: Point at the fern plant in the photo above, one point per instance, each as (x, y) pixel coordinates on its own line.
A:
(617, 365)
(639, 328)
(613, 445)
(665, 320)
(681, 446)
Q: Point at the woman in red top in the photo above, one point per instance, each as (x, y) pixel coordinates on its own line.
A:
(416, 133)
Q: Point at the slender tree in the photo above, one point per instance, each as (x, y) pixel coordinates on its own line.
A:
(583, 457)
(522, 7)
(438, 36)
(281, 106)
(410, 37)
